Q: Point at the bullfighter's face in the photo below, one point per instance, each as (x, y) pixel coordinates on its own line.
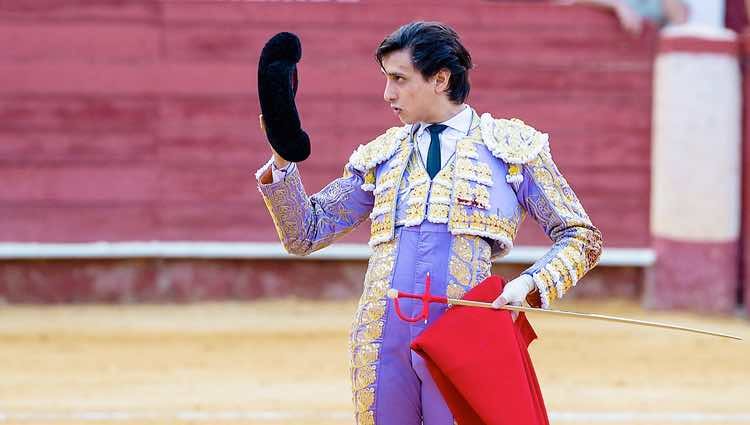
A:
(411, 97)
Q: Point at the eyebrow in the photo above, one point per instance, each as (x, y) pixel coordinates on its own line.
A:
(394, 74)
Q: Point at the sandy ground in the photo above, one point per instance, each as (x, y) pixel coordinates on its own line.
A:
(275, 362)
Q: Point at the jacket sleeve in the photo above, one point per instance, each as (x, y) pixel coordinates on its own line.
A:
(305, 223)
(577, 243)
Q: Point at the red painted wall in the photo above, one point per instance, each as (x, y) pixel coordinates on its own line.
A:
(745, 234)
(180, 280)
(137, 120)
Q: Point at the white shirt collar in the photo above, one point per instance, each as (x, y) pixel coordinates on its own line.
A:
(460, 122)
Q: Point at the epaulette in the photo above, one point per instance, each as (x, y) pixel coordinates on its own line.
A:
(367, 156)
(512, 141)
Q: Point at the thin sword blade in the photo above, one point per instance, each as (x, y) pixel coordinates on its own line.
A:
(593, 316)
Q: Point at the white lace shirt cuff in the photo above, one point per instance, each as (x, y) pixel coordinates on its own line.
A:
(277, 174)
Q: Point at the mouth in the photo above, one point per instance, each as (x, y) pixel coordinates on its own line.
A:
(396, 109)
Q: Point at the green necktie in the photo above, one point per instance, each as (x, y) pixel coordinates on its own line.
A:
(433, 154)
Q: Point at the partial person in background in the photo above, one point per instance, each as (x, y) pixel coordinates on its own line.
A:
(632, 13)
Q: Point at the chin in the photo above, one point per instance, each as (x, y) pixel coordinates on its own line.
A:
(406, 120)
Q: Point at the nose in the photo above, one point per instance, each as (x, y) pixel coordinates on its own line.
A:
(389, 95)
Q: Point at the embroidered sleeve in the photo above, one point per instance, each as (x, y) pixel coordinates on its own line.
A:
(545, 195)
(308, 223)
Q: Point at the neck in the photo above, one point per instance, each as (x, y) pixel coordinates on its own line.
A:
(447, 112)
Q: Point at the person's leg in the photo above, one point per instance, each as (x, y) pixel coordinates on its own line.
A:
(386, 389)
(434, 409)
(435, 240)
(397, 396)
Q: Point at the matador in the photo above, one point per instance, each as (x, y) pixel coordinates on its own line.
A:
(445, 194)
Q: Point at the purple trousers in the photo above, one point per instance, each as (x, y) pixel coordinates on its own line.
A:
(405, 393)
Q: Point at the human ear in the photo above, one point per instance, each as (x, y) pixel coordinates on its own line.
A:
(441, 79)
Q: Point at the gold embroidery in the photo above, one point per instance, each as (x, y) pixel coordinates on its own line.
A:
(552, 288)
(484, 173)
(460, 271)
(546, 285)
(381, 228)
(593, 243)
(511, 140)
(468, 221)
(462, 248)
(469, 212)
(417, 174)
(365, 399)
(414, 214)
(367, 330)
(468, 170)
(386, 191)
(369, 183)
(483, 261)
(366, 418)
(422, 195)
(373, 311)
(364, 377)
(419, 192)
(463, 190)
(384, 199)
(477, 221)
(380, 288)
(482, 196)
(438, 213)
(465, 147)
(464, 166)
(469, 264)
(440, 195)
(440, 192)
(388, 178)
(556, 188)
(558, 210)
(366, 354)
(459, 218)
(379, 150)
(455, 291)
(285, 205)
(299, 218)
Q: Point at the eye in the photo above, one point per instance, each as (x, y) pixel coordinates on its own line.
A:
(398, 78)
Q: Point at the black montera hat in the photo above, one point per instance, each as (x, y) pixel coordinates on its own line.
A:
(277, 87)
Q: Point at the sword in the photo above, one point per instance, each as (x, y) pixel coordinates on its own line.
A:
(428, 298)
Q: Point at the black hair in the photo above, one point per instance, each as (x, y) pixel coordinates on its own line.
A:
(433, 46)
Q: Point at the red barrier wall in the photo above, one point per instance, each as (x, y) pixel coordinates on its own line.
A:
(138, 120)
(745, 239)
(180, 280)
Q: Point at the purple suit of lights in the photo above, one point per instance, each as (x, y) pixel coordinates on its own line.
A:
(451, 227)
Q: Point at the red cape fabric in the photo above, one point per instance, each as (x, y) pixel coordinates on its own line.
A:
(479, 360)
